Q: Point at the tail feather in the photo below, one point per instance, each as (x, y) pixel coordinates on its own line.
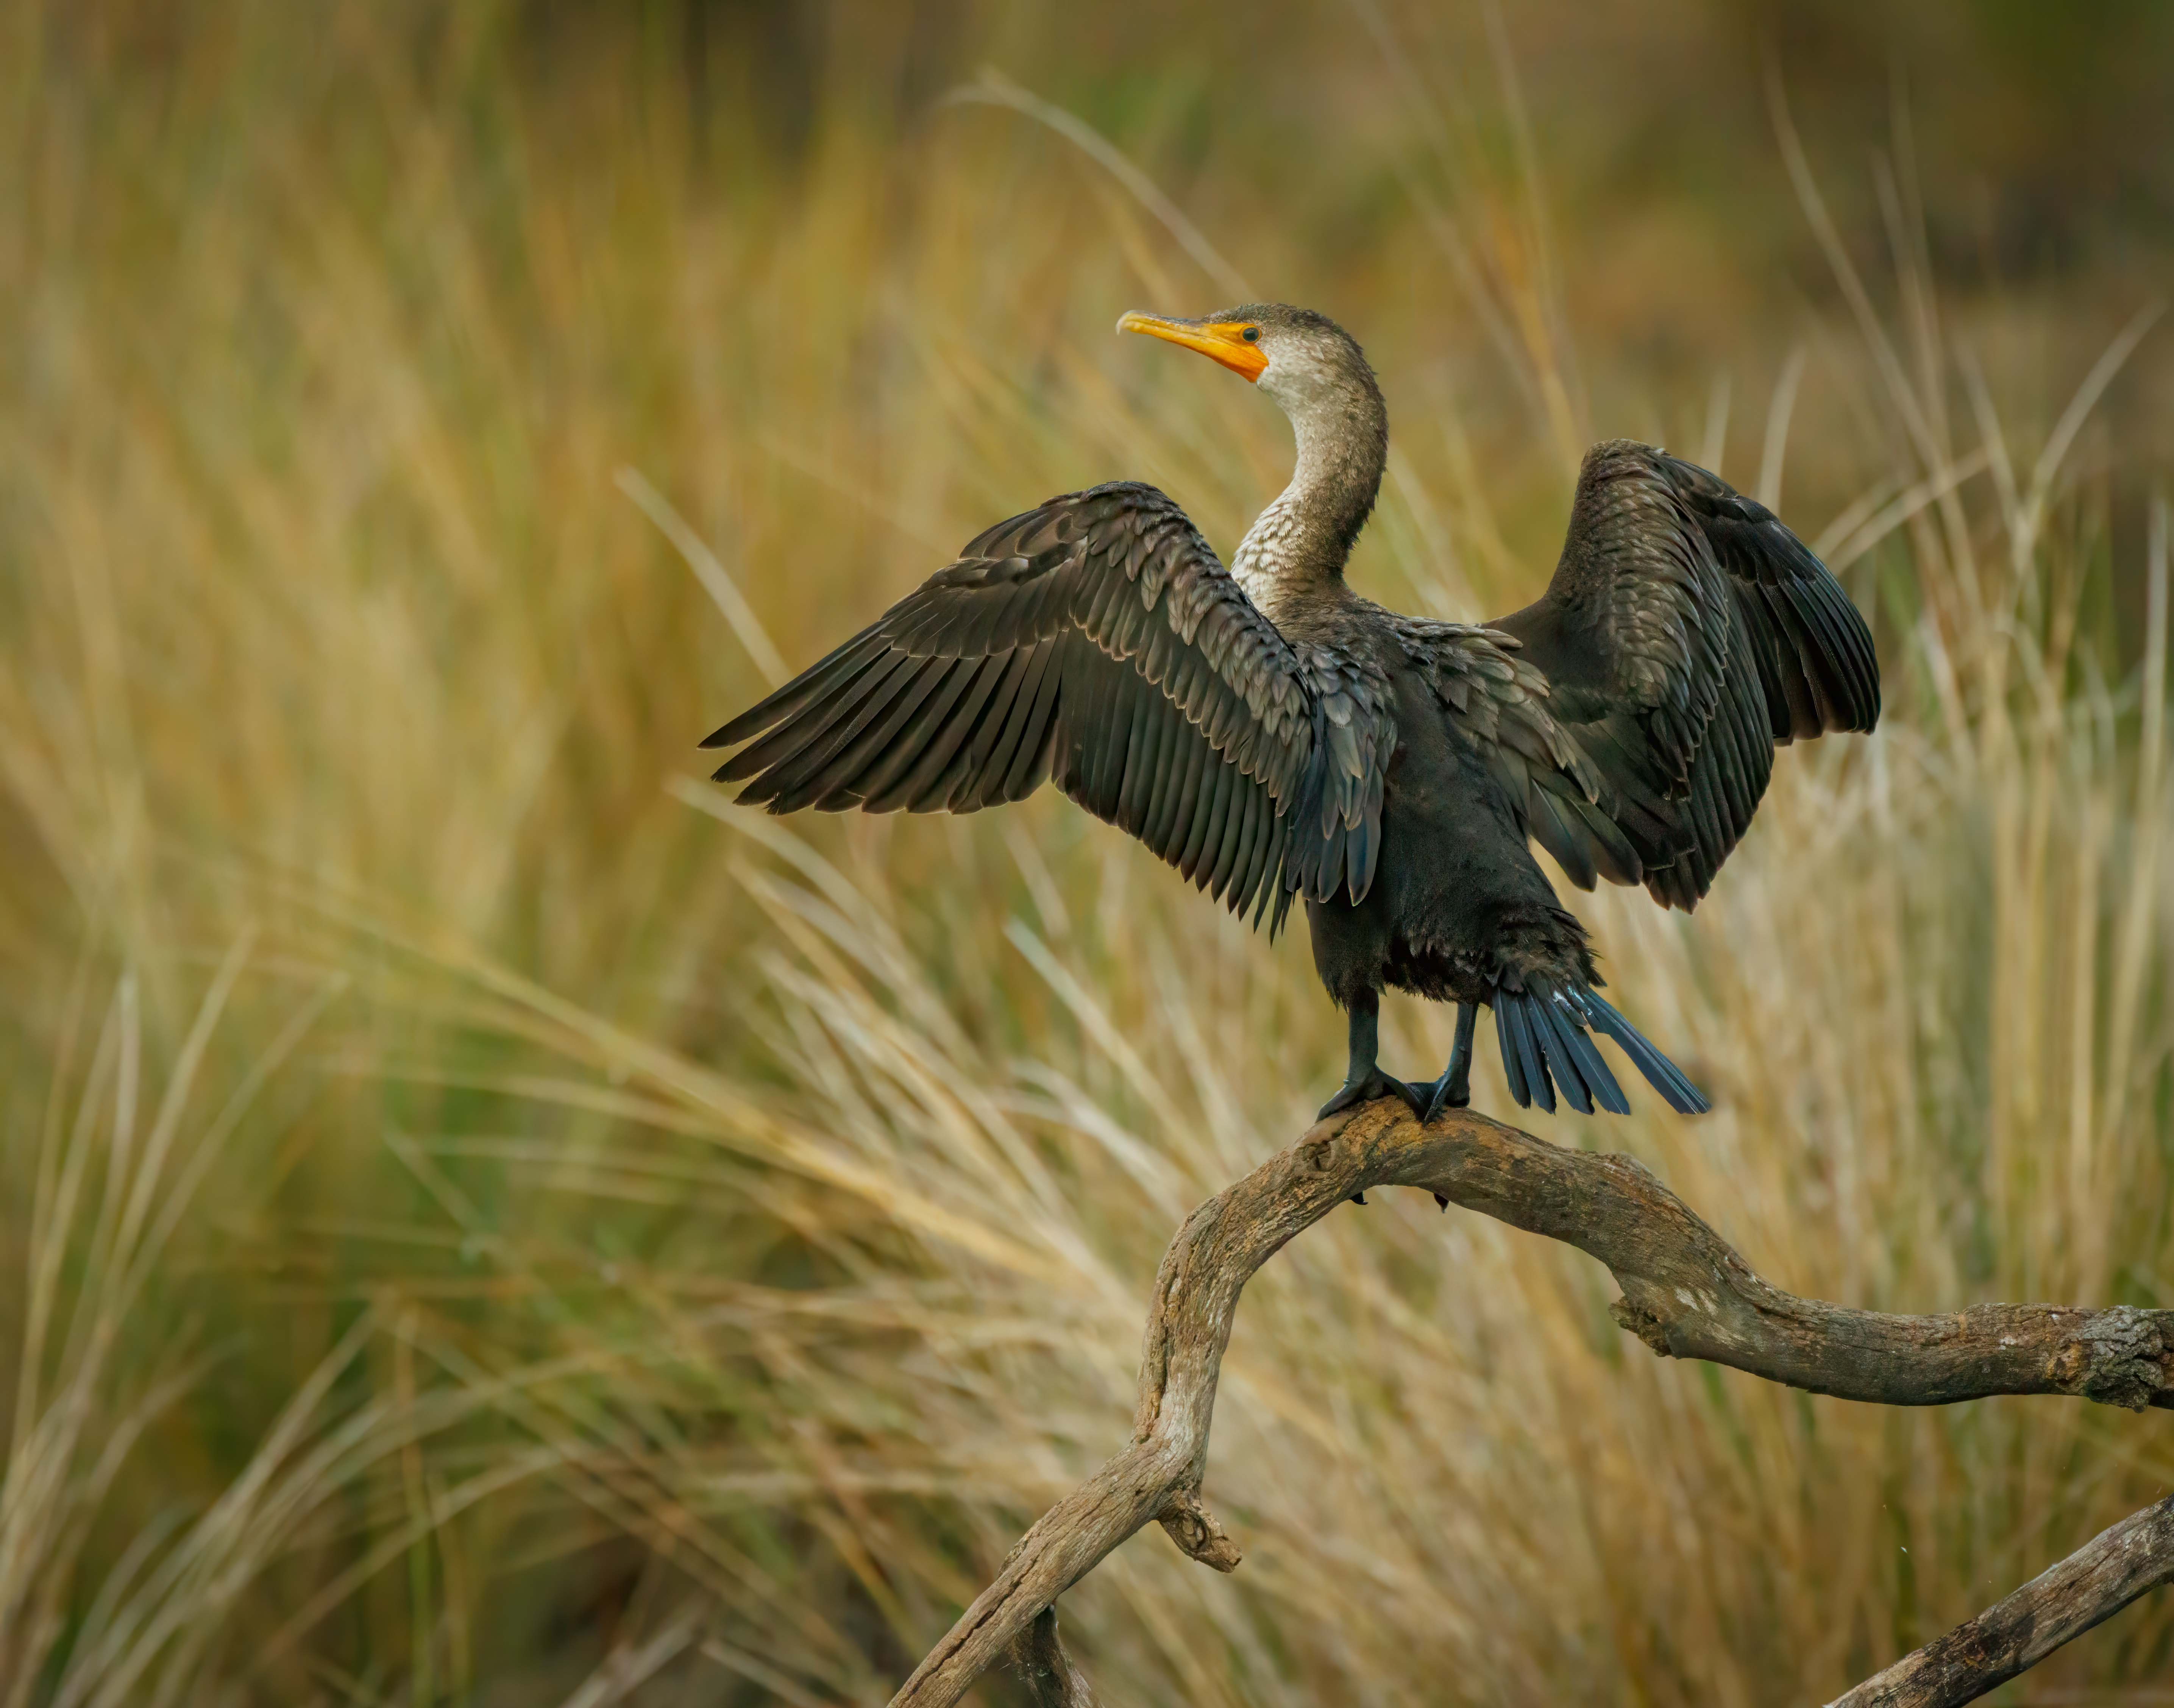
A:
(1553, 1033)
(1599, 1080)
(1512, 1057)
(1662, 1075)
(1545, 1043)
(1521, 1054)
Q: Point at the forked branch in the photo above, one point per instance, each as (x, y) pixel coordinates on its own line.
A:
(1686, 1293)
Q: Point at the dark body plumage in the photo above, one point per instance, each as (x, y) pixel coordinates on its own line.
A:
(1275, 736)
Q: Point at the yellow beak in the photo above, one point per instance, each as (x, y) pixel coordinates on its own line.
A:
(1225, 341)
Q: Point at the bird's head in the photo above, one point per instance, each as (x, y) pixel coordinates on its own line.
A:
(1304, 360)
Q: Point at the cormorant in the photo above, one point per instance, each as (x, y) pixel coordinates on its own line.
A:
(1272, 734)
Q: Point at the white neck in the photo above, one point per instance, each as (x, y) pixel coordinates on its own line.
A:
(1304, 536)
(1267, 553)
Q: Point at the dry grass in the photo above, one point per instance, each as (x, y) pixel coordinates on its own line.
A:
(496, 1224)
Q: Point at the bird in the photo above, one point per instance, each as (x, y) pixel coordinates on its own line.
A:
(1277, 738)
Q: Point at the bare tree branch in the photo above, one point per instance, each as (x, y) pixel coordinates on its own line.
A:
(1686, 1293)
(1050, 1678)
(2015, 1633)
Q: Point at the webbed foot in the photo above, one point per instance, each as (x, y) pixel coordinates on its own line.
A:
(1444, 1094)
(1364, 1081)
(1376, 1084)
(1453, 1090)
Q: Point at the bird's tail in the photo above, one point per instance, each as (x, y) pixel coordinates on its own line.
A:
(1546, 1040)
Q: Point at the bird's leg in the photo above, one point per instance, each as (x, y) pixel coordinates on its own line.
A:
(1453, 1090)
(1363, 1081)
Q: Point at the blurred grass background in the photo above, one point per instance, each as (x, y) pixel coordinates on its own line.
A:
(487, 1222)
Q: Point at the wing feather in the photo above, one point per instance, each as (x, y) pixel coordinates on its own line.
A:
(1097, 641)
(790, 740)
(1038, 731)
(819, 768)
(979, 755)
(862, 763)
(926, 727)
(820, 681)
(1175, 830)
(1213, 862)
(1685, 635)
(917, 769)
(1157, 758)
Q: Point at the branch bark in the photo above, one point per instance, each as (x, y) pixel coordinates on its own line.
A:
(2015, 1633)
(1051, 1680)
(1686, 1293)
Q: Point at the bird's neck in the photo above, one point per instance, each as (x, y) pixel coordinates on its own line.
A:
(1300, 542)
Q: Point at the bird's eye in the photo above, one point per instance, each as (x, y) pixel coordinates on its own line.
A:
(1251, 335)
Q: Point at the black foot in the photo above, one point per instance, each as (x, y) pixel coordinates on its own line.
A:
(1376, 1084)
(1451, 1091)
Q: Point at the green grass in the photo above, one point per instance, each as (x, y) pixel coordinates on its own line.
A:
(494, 1222)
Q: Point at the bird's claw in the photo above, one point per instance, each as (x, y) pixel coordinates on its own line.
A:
(1376, 1084)
(1441, 1095)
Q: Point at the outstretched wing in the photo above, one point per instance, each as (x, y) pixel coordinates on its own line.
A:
(1685, 635)
(1097, 640)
